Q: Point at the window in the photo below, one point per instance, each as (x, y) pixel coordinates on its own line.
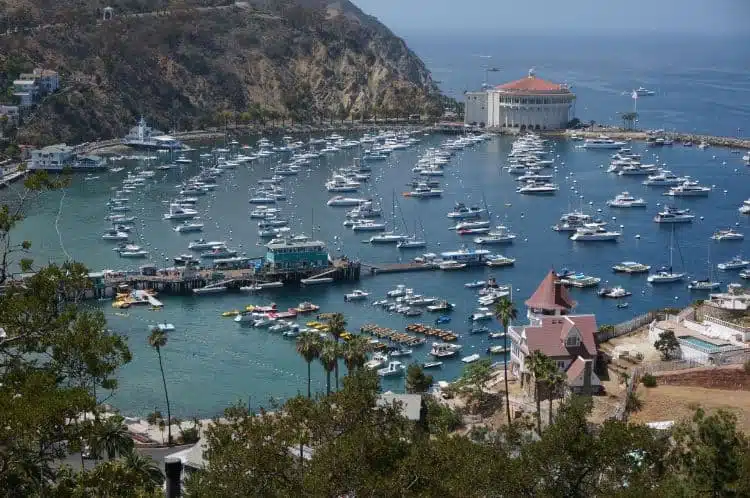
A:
(573, 340)
(561, 364)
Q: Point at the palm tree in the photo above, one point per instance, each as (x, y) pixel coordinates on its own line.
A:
(505, 312)
(336, 327)
(308, 346)
(157, 340)
(329, 356)
(145, 468)
(112, 437)
(355, 352)
(538, 364)
(555, 381)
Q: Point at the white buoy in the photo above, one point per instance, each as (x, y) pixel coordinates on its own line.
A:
(599, 210)
(638, 236)
(701, 217)
(591, 203)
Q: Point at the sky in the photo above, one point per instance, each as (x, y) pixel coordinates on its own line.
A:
(713, 17)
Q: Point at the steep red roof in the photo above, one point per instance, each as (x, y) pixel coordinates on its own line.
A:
(549, 339)
(532, 84)
(551, 295)
(575, 369)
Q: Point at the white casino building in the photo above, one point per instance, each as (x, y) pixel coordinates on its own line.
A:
(528, 103)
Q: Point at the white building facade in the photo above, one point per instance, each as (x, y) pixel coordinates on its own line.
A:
(528, 103)
(52, 157)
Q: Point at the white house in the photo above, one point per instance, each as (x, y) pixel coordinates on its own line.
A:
(52, 157)
(26, 91)
(475, 110)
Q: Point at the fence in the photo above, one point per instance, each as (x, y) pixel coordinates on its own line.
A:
(627, 327)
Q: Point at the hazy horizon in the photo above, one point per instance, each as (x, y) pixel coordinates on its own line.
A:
(553, 17)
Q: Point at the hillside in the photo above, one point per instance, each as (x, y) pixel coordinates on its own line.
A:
(184, 64)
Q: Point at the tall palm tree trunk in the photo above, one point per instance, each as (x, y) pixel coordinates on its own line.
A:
(309, 374)
(505, 369)
(336, 369)
(166, 395)
(538, 407)
(549, 416)
(328, 382)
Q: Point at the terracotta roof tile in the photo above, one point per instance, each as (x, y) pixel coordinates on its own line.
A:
(551, 295)
(548, 337)
(531, 84)
(575, 369)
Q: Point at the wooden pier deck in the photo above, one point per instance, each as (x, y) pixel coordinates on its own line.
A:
(377, 269)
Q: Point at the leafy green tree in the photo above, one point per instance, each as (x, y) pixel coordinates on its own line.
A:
(157, 340)
(712, 454)
(555, 382)
(416, 380)
(473, 386)
(667, 344)
(336, 327)
(329, 357)
(111, 436)
(505, 313)
(308, 346)
(540, 367)
(441, 419)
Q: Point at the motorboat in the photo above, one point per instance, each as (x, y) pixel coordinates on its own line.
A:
(602, 142)
(316, 281)
(399, 291)
(625, 200)
(594, 233)
(340, 183)
(745, 274)
(356, 295)
(165, 327)
(262, 199)
(464, 225)
(614, 293)
(219, 252)
(688, 189)
(411, 243)
(580, 280)
(471, 358)
(203, 244)
(177, 212)
(211, 289)
(475, 284)
(113, 234)
(452, 265)
(745, 208)
(133, 252)
(377, 361)
(736, 263)
(368, 226)
(473, 231)
(643, 92)
(400, 352)
(664, 179)
(570, 222)
(432, 364)
(631, 267)
(534, 188)
(704, 285)
(345, 201)
(189, 227)
(674, 215)
(500, 236)
(637, 169)
(185, 260)
(444, 349)
(394, 369)
(498, 260)
(497, 350)
(387, 238)
(481, 314)
(728, 234)
(440, 306)
(462, 212)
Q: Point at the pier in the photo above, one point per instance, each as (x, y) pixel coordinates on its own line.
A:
(384, 268)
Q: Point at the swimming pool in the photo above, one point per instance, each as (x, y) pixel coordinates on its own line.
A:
(702, 344)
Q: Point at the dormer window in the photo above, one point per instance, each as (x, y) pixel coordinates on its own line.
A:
(573, 340)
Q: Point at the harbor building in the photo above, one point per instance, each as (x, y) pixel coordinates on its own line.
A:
(143, 136)
(568, 340)
(296, 254)
(53, 157)
(530, 103)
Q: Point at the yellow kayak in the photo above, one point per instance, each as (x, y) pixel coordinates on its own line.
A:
(231, 313)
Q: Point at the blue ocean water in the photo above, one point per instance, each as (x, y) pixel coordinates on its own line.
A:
(211, 362)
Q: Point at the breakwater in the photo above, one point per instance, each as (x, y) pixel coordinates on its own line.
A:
(620, 134)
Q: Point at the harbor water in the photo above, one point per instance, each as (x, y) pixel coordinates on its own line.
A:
(211, 362)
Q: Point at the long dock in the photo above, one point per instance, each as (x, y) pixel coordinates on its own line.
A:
(377, 269)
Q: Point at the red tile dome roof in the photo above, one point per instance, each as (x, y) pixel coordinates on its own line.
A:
(532, 84)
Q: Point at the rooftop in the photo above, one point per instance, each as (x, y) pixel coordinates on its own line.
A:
(532, 84)
(55, 148)
(551, 295)
(549, 336)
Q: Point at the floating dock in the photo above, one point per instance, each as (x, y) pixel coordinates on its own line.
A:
(376, 269)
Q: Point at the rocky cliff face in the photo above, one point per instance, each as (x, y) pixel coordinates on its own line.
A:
(186, 67)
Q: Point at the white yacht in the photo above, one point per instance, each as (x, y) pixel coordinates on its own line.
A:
(471, 358)
(411, 243)
(340, 183)
(356, 295)
(444, 349)
(394, 369)
(664, 179)
(591, 232)
(499, 261)
(499, 236)
(177, 212)
(643, 92)
(345, 201)
(615, 293)
(631, 267)
(462, 212)
(114, 234)
(704, 285)
(367, 225)
(689, 189)
(674, 215)
(728, 234)
(570, 222)
(745, 208)
(736, 263)
(533, 188)
(387, 238)
(665, 276)
(602, 142)
(625, 200)
(203, 244)
(189, 227)
(581, 281)
(468, 225)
